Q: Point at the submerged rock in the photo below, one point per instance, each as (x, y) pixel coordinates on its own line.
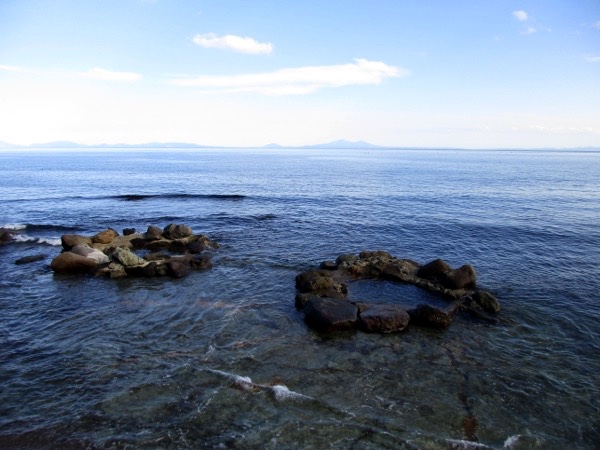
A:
(430, 316)
(383, 318)
(30, 259)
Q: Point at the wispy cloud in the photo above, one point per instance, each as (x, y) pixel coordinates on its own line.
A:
(592, 59)
(529, 30)
(520, 15)
(234, 43)
(109, 75)
(298, 80)
(597, 25)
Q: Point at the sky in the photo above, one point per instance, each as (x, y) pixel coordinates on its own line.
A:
(428, 73)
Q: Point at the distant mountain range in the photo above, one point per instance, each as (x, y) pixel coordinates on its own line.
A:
(341, 144)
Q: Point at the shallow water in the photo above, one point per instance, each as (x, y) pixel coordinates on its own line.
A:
(222, 359)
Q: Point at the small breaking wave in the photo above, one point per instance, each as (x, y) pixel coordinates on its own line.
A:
(279, 391)
(13, 227)
(37, 227)
(54, 242)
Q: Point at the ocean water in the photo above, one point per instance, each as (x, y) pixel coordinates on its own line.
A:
(222, 359)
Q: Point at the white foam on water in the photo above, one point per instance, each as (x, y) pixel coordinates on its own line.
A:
(14, 226)
(459, 444)
(281, 393)
(243, 382)
(55, 242)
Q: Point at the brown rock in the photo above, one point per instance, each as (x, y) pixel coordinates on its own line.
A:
(375, 254)
(314, 280)
(434, 269)
(153, 233)
(487, 301)
(69, 241)
(462, 278)
(178, 268)
(148, 270)
(383, 318)
(104, 237)
(201, 262)
(69, 262)
(430, 316)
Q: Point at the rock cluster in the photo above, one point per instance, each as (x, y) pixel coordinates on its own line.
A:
(174, 251)
(323, 294)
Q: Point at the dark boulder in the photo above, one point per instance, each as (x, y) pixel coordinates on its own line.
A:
(328, 314)
(201, 262)
(314, 280)
(328, 265)
(375, 254)
(486, 301)
(128, 231)
(173, 231)
(153, 233)
(104, 237)
(462, 278)
(430, 316)
(69, 241)
(381, 318)
(178, 268)
(434, 269)
(148, 270)
(6, 235)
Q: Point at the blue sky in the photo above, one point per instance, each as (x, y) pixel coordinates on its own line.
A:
(432, 73)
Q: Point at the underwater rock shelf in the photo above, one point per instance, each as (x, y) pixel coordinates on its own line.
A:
(323, 294)
(173, 250)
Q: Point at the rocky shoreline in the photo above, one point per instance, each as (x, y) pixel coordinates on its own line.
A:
(322, 294)
(174, 251)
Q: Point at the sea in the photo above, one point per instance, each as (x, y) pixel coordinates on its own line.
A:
(222, 359)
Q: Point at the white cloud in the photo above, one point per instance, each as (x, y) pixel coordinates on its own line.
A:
(298, 80)
(109, 75)
(235, 43)
(520, 15)
(597, 25)
(592, 59)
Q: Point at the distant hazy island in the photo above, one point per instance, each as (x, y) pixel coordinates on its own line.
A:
(339, 144)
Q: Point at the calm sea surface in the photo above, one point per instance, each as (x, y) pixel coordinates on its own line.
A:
(222, 359)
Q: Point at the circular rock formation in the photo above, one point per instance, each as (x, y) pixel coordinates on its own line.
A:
(111, 255)
(322, 294)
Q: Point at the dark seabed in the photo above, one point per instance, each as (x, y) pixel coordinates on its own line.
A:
(222, 359)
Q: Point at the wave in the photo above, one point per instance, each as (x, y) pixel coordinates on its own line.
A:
(13, 227)
(37, 227)
(140, 197)
(54, 242)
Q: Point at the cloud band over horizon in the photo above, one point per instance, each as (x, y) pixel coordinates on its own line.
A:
(298, 80)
